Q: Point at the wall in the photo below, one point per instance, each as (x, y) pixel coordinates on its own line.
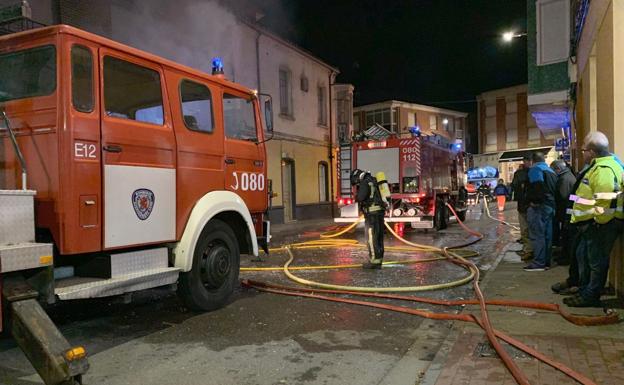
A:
(600, 104)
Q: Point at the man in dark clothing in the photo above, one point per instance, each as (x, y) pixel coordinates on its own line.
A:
(564, 187)
(519, 185)
(541, 198)
(373, 207)
(571, 284)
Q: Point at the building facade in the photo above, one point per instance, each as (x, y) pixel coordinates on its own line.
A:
(398, 117)
(192, 33)
(598, 102)
(508, 131)
(578, 92)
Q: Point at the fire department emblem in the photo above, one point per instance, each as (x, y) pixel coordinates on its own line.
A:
(143, 203)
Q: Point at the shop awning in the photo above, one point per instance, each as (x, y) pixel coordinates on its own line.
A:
(515, 155)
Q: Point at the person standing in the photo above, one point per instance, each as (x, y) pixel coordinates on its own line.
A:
(373, 207)
(519, 186)
(563, 188)
(501, 193)
(540, 213)
(596, 212)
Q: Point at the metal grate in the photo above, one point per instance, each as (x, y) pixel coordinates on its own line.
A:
(18, 24)
(485, 350)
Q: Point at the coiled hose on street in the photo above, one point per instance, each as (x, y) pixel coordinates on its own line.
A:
(451, 253)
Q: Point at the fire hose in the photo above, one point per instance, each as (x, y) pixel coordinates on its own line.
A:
(451, 254)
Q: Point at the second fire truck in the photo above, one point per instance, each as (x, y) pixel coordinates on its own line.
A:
(424, 172)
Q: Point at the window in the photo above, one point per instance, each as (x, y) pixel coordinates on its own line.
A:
(132, 92)
(322, 175)
(381, 117)
(82, 78)
(239, 118)
(433, 122)
(322, 106)
(285, 89)
(304, 83)
(196, 106)
(553, 31)
(27, 73)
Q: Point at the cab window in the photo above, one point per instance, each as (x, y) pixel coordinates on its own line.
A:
(27, 73)
(132, 92)
(82, 78)
(239, 118)
(196, 106)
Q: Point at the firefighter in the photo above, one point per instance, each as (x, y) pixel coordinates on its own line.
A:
(373, 207)
(596, 213)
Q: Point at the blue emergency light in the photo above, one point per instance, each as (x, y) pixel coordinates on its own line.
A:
(217, 66)
(415, 130)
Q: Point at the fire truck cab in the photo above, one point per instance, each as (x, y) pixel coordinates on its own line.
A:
(122, 171)
(423, 172)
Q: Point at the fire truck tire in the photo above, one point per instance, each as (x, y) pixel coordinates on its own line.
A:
(441, 216)
(216, 263)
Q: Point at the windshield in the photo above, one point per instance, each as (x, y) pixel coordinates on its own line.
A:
(27, 73)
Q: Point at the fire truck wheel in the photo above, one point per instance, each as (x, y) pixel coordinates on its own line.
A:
(441, 216)
(214, 274)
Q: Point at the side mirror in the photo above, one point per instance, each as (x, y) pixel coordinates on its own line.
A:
(268, 115)
(268, 111)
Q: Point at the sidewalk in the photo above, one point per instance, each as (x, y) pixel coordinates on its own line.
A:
(467, 358)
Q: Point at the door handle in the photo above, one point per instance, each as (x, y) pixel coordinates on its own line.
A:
(230, 161)
(112, 148)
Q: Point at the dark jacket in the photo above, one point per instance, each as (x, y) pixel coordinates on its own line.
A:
(519, 186)
(564, 187)
(501, 189)
(542, 185)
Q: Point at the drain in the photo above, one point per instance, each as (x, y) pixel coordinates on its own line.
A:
(485, 350)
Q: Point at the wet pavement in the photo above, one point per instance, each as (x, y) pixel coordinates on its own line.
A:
(262, 338)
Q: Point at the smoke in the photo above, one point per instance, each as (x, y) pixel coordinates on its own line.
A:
(189, 32)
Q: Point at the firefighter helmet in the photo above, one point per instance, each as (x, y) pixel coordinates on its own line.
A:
(356, 176)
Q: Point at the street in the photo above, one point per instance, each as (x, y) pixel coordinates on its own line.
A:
(262, 338)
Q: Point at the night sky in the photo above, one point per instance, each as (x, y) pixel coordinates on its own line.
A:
(423, 51)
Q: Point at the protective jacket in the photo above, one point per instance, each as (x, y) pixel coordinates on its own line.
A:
(368, 195)
(598, 196)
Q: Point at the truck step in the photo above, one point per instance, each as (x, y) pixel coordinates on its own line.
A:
(17, 222)
(88, 287)
(122, 264)
(23, 256)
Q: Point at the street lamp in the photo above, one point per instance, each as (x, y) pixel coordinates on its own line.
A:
(510, 35)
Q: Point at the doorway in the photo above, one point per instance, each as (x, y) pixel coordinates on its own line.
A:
(288, 189)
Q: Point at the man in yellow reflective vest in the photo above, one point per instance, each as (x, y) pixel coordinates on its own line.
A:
(596, 213)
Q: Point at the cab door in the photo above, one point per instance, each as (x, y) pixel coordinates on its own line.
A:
(138, 152)
(245, 166)
(199, 140)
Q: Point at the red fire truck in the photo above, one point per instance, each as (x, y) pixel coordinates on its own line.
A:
(424, 172)
(120, 171)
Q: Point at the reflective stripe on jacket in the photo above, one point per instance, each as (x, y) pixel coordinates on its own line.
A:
(598, 196)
